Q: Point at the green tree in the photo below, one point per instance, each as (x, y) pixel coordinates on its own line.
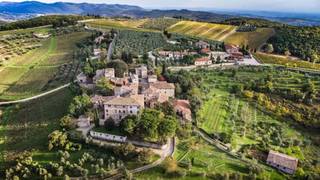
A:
(167, 127)
(119, 66)
(80, 105)
(88, 70)
(127, 57)
(129, 124)
(68, 123)
(109, 124)
(149, 122)
(269, 48)
(104, 87)
(57, 139)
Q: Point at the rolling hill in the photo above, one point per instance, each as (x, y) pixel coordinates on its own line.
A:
(222, 32)
(203, 30)
(17, 10)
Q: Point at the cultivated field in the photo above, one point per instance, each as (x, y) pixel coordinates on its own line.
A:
(203, 30)
(41, 69)
(248, 123)
(285, 61)
(253, 39)
(116, 23)
(27, 126)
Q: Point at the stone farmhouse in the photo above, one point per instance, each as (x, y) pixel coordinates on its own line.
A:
(142, 71)
(172, 55)
(282, 162)
(234, 53)
(104, 73)
(165, 88)
(202, 45)
(127, 89)
(118, 108)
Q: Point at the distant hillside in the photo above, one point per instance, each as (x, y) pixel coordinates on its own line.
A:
(34, 7)
(54, 20)
(17, 10)
(184, 14)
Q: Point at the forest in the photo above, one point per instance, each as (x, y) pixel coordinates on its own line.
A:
(302, 42)
(252, 21)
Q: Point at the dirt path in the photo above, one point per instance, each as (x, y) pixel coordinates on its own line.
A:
(35, 97)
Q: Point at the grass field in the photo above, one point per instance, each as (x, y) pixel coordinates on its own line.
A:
(253, 39)
(213, 113)
(270, 59)
(41, 29)
(119, 24)
(27, 126)
(29, 74)
(203, 30)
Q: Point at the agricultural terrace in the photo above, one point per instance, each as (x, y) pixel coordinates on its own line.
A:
(285, 61)
(250, 127)
(195, 159)
(159, 23)
(18, 42)
(41, 69)
(254, 39)
(203, 30)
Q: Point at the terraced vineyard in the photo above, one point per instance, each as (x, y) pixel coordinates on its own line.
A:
(253, 39)
(203, 30)
(40, 69)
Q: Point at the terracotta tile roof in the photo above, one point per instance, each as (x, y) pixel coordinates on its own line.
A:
(205, 51)
(282, 160)
(101, 99)
(182, 103)
(135, 100)
(230, 46)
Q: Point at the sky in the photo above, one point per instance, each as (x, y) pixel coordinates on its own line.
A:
(311, 6)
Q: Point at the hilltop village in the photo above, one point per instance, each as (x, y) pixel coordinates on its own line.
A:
(156, 98)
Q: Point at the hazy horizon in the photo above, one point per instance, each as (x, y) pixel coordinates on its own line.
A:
(295, 6)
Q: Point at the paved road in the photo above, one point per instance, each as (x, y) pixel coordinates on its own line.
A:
(35, 97)
(188, 68)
